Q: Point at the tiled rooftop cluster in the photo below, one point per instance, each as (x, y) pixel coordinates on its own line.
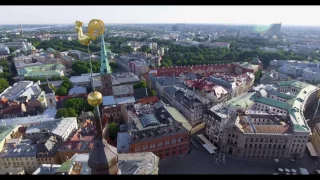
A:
(76, 146)
(154, 120)
(16, 90)
(23, 149)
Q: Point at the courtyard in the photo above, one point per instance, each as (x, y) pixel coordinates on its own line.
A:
(199, 161)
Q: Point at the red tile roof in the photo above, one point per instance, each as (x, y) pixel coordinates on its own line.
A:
(148, 100)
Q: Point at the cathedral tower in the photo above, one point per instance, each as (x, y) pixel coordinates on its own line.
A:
(105, 71)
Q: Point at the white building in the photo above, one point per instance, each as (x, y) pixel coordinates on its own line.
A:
(20, 154)
(4, 50)
(243, 126)
(16, 90)
(307, 71)
(65, 127)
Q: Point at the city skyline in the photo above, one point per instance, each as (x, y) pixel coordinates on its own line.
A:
(260, 15)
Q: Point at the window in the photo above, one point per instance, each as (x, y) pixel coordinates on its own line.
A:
(173, 141)
(166, 142)
(160, 144)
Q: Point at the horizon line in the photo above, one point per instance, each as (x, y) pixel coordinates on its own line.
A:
(169, 23)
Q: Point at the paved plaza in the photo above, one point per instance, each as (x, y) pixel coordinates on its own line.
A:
(199, 161)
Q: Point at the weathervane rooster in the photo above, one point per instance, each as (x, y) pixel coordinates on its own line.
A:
(95, 29)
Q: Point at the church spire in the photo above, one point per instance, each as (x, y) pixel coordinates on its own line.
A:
(105, 67)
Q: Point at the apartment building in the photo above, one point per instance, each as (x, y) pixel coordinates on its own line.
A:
(16, 90)
(19, 153)
(70, 148)
(47, 151)
(8, 132)
(315, 138)
(45, 70)
(234, 84)
(191, 105)
(272, 118)
(157, 128)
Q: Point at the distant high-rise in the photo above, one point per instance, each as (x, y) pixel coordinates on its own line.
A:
(20, 29)
(275, 28)
(178, 27)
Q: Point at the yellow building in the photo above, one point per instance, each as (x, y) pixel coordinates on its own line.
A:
(12, 170)
(47, 152)
(315, 138)
(7, 133)
(69, 148)
(19, 153)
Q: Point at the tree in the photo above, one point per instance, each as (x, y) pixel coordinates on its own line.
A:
(11, 49)
(145, 49)
(153, 93)
(113, 130)
(80, 67)
(78, 104)
(258, 76)
(3, 84)
(141, 84)
(66, 112)
(67, 84)
(62, 91)
(113, 66)
(127, 49)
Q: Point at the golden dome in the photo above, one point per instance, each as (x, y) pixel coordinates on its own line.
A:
(95, 98)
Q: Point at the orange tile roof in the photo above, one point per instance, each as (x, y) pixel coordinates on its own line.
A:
(147, 100)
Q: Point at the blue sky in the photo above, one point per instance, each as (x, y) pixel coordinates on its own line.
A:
(288, 15)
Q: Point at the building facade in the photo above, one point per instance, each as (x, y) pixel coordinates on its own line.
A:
(268, 123)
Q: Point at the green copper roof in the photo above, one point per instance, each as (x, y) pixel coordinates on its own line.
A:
(242, 101)
(297, 84)
(285, 96)
(271, 102)
(65, 167)
(104, 61)
(5, 131)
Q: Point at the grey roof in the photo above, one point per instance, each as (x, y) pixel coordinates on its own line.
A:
(47, 169)
(165, 81)
(123, 141)
(149, 120)
(124, 78)
(63, 126)
(125, 100)
(50, 147)
(39, 127)
(140, 93)
(108, 101)
(26, 120)
(15, 90)
(85, 115)
(77, 90)
(23, 149)
(171, 90)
